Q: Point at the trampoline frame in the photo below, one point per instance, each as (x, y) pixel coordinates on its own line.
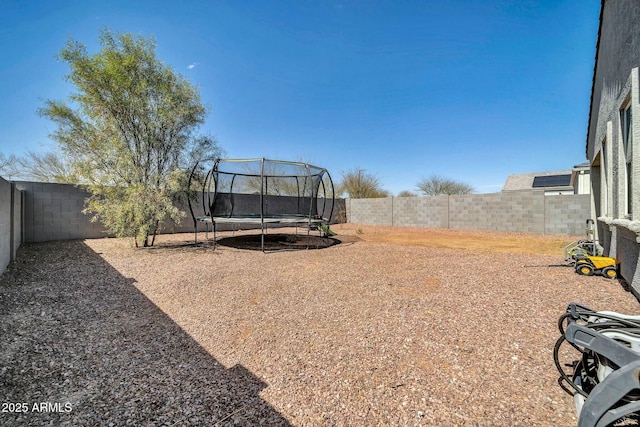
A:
(209, 202)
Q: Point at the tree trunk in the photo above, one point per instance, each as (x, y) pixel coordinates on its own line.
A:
(155, 232)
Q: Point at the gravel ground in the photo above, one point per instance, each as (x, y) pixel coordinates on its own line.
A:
(359, 333)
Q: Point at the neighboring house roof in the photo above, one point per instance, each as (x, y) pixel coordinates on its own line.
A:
(527, 181)
(583, 166)
(563, 180)
(581, 169)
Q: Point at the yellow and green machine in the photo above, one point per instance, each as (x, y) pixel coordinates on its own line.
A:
(588, 265)
(586, 256)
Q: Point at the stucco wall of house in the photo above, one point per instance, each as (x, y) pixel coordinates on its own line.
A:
(606, 237)
(618, 53)
(627, 251)
(616, 86)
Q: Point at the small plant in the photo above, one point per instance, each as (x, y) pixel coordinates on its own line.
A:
(359, 231)
(327, 231)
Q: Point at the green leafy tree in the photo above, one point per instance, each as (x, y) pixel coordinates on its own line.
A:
(436, 185)
(130, 130)
(359, 184)
(406, 193)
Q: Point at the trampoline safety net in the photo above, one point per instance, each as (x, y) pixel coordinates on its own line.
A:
(262, 191)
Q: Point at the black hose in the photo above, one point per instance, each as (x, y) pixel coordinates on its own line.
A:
(586, 368)
(563, 374)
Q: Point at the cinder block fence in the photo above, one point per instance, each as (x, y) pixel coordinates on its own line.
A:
(38, 212)
(11, 200)
(528, 211)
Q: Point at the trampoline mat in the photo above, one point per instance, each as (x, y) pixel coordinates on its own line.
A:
(275, 219)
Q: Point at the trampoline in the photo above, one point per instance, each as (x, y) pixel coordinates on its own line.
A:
(260, 192)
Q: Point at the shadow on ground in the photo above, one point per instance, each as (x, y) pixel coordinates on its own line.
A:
(81, 350)
(276, 242)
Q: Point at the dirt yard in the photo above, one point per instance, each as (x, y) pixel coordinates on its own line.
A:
(522, 243)
(393, 326)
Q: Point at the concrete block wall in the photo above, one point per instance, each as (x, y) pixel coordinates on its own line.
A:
(421, 211)
(518, 211)
(17, 229)
(5, 224)
(54, 212)
(10, 222)
(371, 211)
(566, 215)
(508, 211)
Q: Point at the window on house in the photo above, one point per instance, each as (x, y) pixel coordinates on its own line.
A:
(627, 143)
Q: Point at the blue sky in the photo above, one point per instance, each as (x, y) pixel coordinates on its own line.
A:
(473, 90)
